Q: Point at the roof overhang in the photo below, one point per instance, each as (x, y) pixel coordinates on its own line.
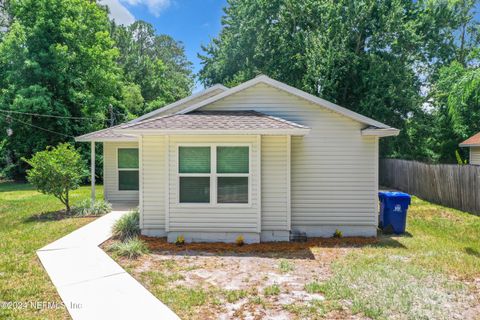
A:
(119, 139)
(380, 132)
(468, 145)
(281, 132)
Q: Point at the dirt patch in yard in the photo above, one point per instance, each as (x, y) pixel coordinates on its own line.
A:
(257, 281)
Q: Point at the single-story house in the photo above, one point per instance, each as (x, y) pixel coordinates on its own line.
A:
(262, 160)
(474, 144)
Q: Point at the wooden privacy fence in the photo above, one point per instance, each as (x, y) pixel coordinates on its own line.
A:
(455, 186)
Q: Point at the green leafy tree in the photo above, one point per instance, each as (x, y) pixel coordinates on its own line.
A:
(378, 58)
(57, 58)
(57, 171)
(156, 63)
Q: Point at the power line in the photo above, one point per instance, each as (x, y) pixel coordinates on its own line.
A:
(50, 116)
(37, 127)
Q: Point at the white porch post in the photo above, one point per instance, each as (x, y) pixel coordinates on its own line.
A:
(92, 168)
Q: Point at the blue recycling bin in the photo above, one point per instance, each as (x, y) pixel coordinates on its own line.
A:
(393, 210)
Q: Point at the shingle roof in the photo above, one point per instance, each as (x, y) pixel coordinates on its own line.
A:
(472, 141)
(105, 135)
(222, 121)
(216, 120)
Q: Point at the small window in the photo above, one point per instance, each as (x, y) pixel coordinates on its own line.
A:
(233, 174)
(194, 169)
(232, 190)
(128, 169)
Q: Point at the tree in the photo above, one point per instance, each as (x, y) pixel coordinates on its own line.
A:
(57, 171)
(156, 63)
(378, 58)
(57, 58)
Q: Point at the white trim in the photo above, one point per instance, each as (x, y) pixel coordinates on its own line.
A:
(92, 169)
(274, 132)
(299, 93)
(385, 132)
(259, 183)
(167, 183)
(140, 179)
(464, 145)
(376, 175)
(289, 182)
(132, 138)
(179, 102)
(117, 169)
(213, 175)
(105, 192)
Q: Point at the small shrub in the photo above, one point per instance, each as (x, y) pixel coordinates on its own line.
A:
(127, 226)
(130, 248)
(180, 241)
(285, 266)
(240, 241)
(96, 208)
(337, 234)
(57, 171)
(313, 287)
(235, 295)
(273, 290)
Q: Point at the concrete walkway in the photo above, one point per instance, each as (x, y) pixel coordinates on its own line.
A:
(91, 284)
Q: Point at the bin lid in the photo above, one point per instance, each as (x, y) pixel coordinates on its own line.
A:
(393, 194)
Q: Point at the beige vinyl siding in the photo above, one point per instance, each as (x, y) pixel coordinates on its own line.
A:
(211, 218)
(475, 155)
(333, 168)
(274, 183)
(110, 173)
(153, 182)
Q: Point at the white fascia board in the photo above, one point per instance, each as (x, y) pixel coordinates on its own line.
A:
(465, 145)
(122, 139)
(384, 132)
(179, 102)
(289, 89)
(288, 132)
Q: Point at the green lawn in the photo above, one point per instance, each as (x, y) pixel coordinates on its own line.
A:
(430, 273)
(28, 222)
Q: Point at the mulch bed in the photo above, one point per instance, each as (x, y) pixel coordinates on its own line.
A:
(161, 244)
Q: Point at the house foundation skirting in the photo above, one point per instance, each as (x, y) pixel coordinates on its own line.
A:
(228, 237)
(328, 231)
(274, 236)
(150, 232)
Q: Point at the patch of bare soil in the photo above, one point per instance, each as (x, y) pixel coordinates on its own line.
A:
(257, 281)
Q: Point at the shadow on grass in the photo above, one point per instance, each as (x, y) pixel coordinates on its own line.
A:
(49, 216)
(285, 250)
(9, 186)
(472, 252)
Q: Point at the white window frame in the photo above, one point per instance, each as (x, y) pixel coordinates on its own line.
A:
(127, 169)
(213, 175)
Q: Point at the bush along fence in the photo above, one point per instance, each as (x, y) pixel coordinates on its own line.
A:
(455, 186)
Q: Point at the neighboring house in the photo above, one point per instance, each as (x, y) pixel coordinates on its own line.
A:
(260, 160)
(474, 144)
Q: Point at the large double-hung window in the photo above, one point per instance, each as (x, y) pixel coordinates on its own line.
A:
(128, 169)
(214, 174)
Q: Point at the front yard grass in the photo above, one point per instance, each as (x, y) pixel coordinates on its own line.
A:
(431, 272)
(28, 221)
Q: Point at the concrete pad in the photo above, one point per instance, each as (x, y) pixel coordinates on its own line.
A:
(116, 297)
(91, 284)
(94, 233)
(70, 266)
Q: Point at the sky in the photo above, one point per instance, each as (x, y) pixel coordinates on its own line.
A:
(193, 22)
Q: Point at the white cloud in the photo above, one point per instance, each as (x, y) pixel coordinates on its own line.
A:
(155, 7)
(118, 12)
